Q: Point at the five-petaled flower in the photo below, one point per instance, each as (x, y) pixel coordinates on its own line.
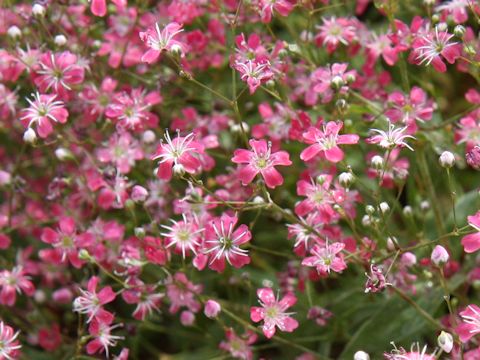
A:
(273, 312)
(162, 40)
(260, 160)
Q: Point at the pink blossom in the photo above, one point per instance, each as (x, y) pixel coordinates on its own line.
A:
(410, 109)
(42, 111)
(254, 73)
(318, 196)
(182, 293)
(91, 302)
(326, 258)
(58, 72)
(239, 346)
(161, 40)
(260, 160)
(335, 31)
(13, 282)
(10, 346)
(184, 235)
(471, 242)
(266, 8)
(179, 154)
(470, 325)
(212, 309)
(101, 332)
(223, 243)
(273, 312)
(122, 151)
(325, 141)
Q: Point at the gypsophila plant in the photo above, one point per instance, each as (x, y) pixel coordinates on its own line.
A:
(247, 179)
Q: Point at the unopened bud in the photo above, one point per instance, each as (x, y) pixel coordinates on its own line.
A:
(60, 40)
(407, 210)
(139, 193)
(408, 259)
(258, 200)
(83, 254)
(148, 137)
(139, 232)
(425, 205)
(63, 154)
(361, 355)
(377, 162)
(346, 179)
(445, 341)
(321, 179)
(178, 170)
(14, 32)
(369, 209)
(337, 82)
(447, 159)
(187, 318)
(459, 31)
(439, 255)
(212, 309)
(443, 26)
(29, 136)
(176, 49)
(38, 10)
(384, 207)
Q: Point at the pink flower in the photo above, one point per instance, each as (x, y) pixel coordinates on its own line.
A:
(122, 150)
(471, 242)
(13, 282)
(239, 346)
(326, 258)
(260, 160)
(272, 312)
(471, 323)
(161, 40)
(99, 7)
(223, 242)
(434, 48)
(179, 154)
(184, 235)
(182, 293)
(58, 72)
(266, 7)
(335, 31)
(319, 197)
(66, 241)
(102, 337)
(411, 108)
(390, 139)
(254, 73)
(42, 111)
(91, 302)
(326, 141)
(9, 348)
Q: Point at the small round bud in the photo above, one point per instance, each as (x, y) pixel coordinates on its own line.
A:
(38, 10)
(83, 254)
(459, 31)
(139, 194)
(341, 104)
(5, 178)
(270, 84)
(377, 162)
(14, 32)
(60, 40)
(40, 296)
(187, 318)
(238, 128)
(29, 136)
(369, 209)
(392, 243)
(176, 49)
(351, 78)
(445, 341)
(267, 283)
(96, 44)
(443, 26)
(212, 309)
(63, 154)
(346, 179)
(447, 159)
(407, 210)
(258, 200)
(425, 205)
(337, 82)
(384, 207)
(361, 355)
(366, 220)
(429, 2)
(321, 179)
(408, 259)
(139, 232)
(435, 18)
(178, 170)
(148, 137)
(439, 255)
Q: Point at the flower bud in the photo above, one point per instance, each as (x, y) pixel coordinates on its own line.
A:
(83, 254)
(29, 136)
(40, 296)
(392, 243)
(408, 259)
(439, 255)
(346, 179)
(435, 18)
(139, 232)
(139, 193)
(212, 309)
(60, 40)
(473, 158)
(14, 32)
(351, 78)
(62, 296)
(5, 178)
(321, 179)
(38, 10)
(443, 26)
(384, 207)
(176, 49)
(148, 137)
(425, 205)
(366, 220)
(258, 200)
(267, 283)
(407, 210)
(377, 162)
(187, 318)
(447, 159)
(63, 154)
(459, 31)
(361, 355)
(445, 341)
(369, 209)
(178, 170)
(337, 82)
